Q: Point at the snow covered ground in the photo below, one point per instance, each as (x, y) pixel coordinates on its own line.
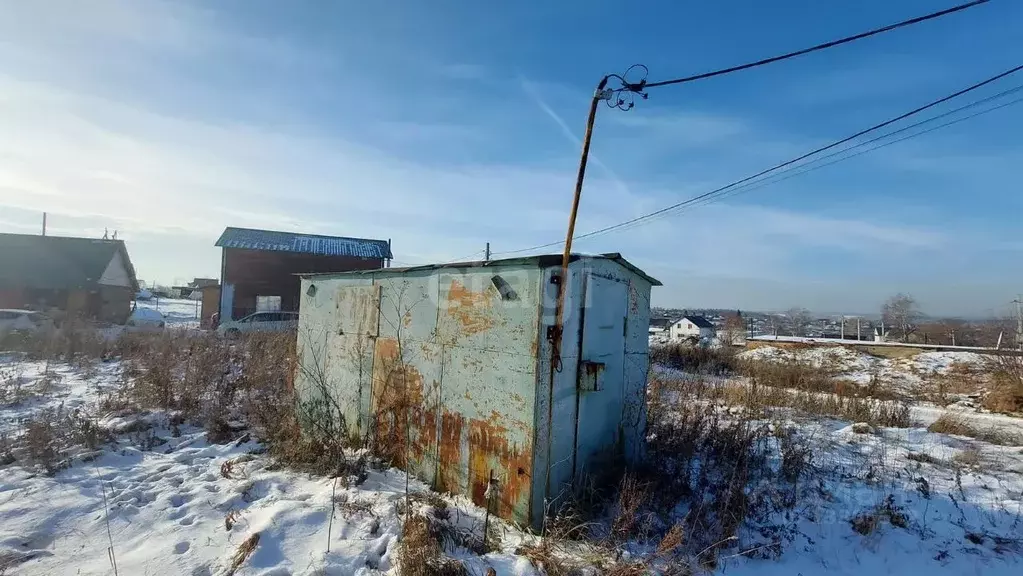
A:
(177, 504)
(901, 375)
(890, 501)
(177, 313)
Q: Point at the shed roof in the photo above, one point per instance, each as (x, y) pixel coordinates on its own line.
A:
(542, 261)
(57, 262)
(252, 239)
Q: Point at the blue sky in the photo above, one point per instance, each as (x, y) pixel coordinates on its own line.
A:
(444, 125)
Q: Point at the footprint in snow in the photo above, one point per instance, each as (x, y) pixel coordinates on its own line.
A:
(181, 547)
(179, 500)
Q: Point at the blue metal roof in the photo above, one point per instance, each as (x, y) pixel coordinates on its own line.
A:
(303, 243)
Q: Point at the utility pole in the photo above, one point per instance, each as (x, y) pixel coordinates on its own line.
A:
(44, 223)
(1019, 321)
(843, 326)
(487, 252)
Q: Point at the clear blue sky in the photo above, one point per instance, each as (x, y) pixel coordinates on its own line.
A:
(443, 125)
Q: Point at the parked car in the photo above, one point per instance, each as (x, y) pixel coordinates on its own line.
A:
(260, 322)
(146, 319)
(22, 321)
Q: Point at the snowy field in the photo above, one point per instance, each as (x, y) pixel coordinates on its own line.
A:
(902, 375)
(177, 313)
(157, 498)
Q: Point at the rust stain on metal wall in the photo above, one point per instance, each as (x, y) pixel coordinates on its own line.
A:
(398, 397)
(450, 476)
(489, 449)
(472, 310)
(471, 449)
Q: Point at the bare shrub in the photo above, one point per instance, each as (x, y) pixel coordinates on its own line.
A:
(49, 437)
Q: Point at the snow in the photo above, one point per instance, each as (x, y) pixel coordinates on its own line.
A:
(899, 374)
(166, 498)
(178, 313)
(166, 494)
(941, 503)
(851, 342)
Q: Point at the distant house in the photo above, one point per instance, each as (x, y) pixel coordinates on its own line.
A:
(691, 326)
(195, 287)
(259, 268)
(659, 324)
(84, 277)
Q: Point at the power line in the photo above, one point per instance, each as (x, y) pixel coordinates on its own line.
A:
(814, 165)
(816, 48)
(810, 166)
(776, 167)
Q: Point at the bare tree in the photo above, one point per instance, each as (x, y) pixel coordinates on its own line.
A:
(734, 330)
(798, 319)
(901, 313)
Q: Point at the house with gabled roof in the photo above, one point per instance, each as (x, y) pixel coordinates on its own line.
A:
(78, 277)
(691, 326)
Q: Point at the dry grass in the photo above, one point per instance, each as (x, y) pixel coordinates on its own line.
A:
(51, 438)
(242, 553)
(957, 425)
(868, 522)
(1005, 393)
(710, 476)
(761, 399)
(696, 359)
(968, 457)
(420, 551)
(890, 352)
(76, 341)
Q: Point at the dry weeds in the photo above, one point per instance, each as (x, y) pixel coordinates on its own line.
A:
(420, 551)
(958, 425)
(242, 553)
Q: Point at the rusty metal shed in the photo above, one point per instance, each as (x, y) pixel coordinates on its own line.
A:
(448, 367)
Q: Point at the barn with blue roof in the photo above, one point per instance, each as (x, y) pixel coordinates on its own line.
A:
(259, 268)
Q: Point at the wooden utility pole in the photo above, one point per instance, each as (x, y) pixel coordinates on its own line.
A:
(487, 253)
(560, 281)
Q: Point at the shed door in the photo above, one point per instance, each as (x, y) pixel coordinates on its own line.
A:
(601, 370)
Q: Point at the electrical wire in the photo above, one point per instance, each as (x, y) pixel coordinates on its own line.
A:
(810, 167)
(815, 164)
(776, 167)
(816, 48)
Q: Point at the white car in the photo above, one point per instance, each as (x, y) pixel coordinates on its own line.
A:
(21, 321)
(145, 319)
(260, 322)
